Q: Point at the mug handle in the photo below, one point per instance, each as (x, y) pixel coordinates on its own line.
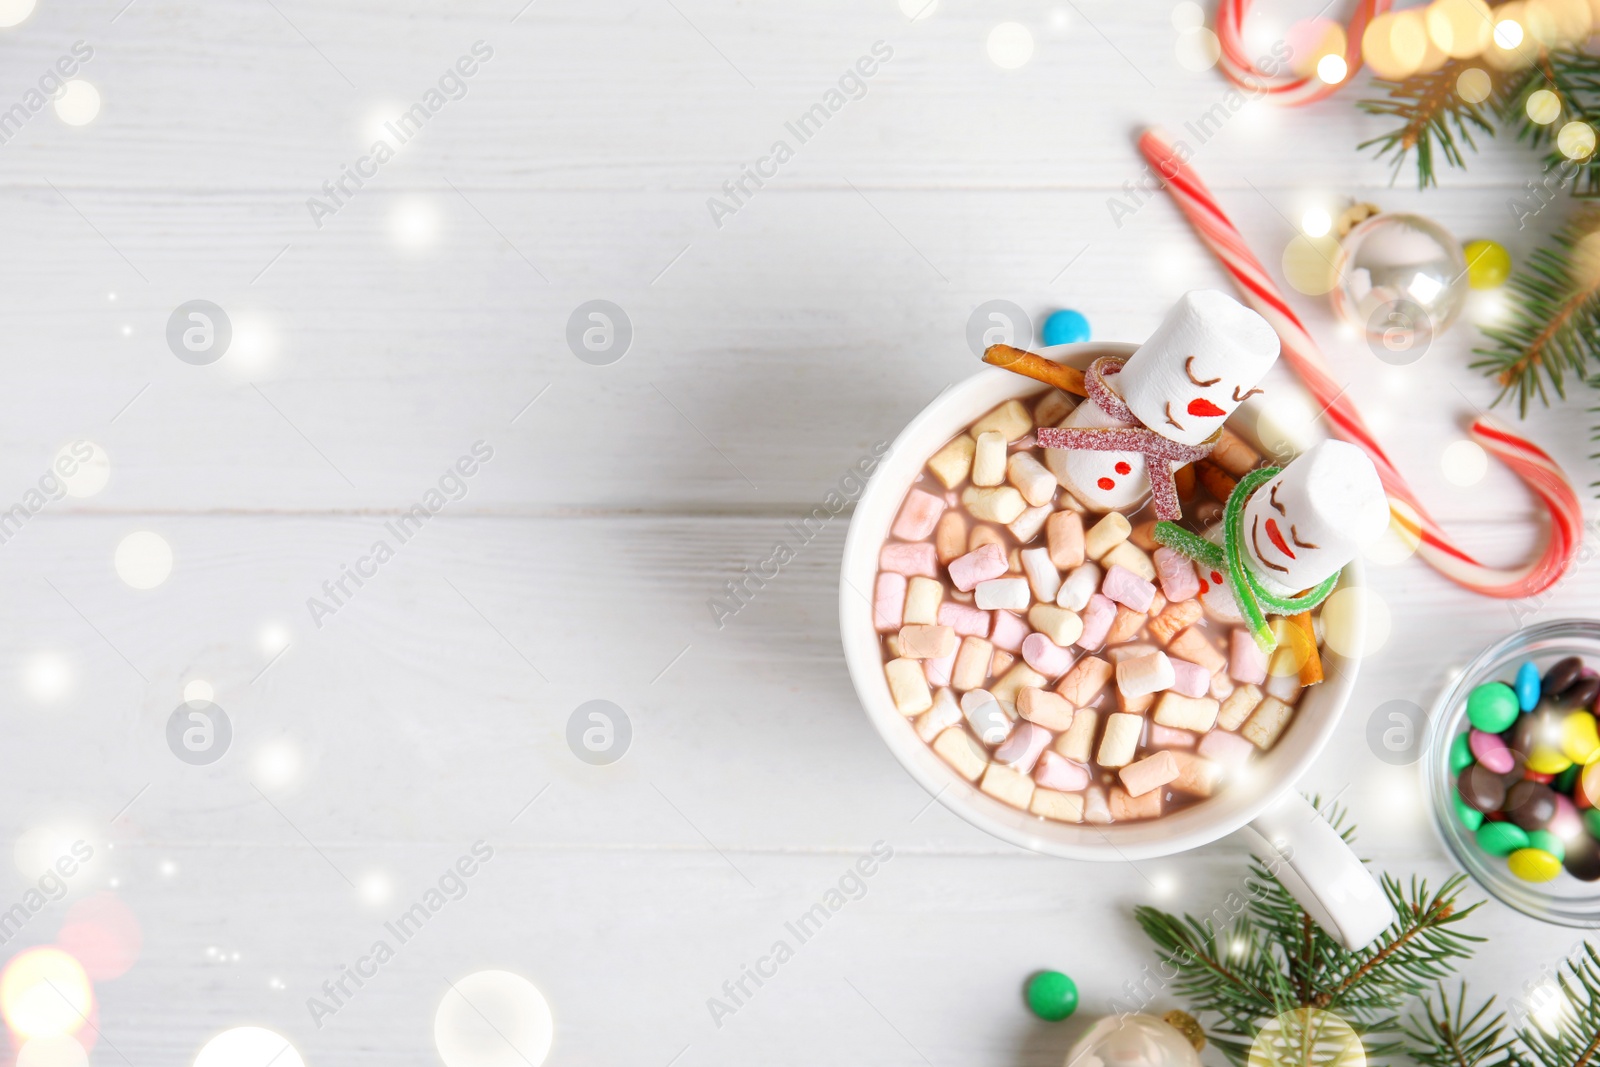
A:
(1321, 871)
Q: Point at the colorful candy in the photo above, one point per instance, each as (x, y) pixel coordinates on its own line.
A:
(1488, 264)
(1491, 752)
(1064, 327)
(1501, 838)
(1052, 995)
(1527, 686)
(1492, 707)
(1534, 865)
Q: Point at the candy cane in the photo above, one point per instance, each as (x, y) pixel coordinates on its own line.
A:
(1291, 92)
(1529, 462)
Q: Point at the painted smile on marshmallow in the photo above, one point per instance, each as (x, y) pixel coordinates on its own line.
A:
(1275, 535)
(1205, 408)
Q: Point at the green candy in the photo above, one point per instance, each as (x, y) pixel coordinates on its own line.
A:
(1591, 821)
(1460, 754)
(1052, 995)
(1501, 838)
(1545, 841)
(1471, 818)
(1493, 707)
(1565, 780)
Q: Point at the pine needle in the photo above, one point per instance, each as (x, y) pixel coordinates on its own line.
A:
(1434, 122)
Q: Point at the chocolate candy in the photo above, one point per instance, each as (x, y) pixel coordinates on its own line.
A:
(1580, 694)
(1562, 674)
(1484, 790)
(1492, 707)
(1583, 858)
(1531, 805)
(1527, 686)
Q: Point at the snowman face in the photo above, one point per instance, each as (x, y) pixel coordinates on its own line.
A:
(1103, 481)
(1275, 536)
(1210, 396)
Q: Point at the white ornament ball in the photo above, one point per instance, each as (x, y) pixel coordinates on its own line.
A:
(1401, 279)
(1132, 1041)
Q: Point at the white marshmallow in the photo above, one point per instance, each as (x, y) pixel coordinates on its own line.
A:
(989, 460)
(1086, 474)
(986, 716)
(1009, 594)
(1080, 585)
(1313, 517)
(1143, 675)
(1043, 577)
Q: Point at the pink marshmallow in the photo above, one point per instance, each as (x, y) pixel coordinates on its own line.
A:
(1246, 661)
(912, 560)
(1045, 656)
(918, 516)
(1022, 748)
(979, 565)
(1176, 571)
(1152, 772)
(888, 602)
(1098, 616)
(1055, 771)
(1127, 588)
(1168, 737)
(1008, 631)
(964, 619)
(938, 670)
(1226, 748)
(1190, 679)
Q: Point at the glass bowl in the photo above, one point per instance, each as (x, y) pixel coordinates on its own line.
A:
(1565, 900)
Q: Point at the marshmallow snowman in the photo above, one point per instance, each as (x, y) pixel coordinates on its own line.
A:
(1201, 363)
(1313, 517)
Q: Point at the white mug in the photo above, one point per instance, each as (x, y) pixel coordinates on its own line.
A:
(1310, 859)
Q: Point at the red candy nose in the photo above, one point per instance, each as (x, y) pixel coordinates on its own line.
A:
(1201, 406)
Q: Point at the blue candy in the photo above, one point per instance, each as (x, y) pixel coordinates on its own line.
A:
(1066, 327)
(1527, 686)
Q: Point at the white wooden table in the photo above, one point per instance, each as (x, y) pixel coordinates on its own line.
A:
(768, 354)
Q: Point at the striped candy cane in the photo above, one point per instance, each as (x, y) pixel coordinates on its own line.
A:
(1291, 92)
(1529, 462)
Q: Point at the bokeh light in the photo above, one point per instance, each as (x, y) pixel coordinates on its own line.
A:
(62, 1051)
(1315, 223)
(199, 690)
(101, 932)
(249, 1046)
(1355, 621)
(1576, 140)
(1286, 424)
(1308, 264)
(273, 638)
(1464, 463)
(1507, 33)
(492, 1019)
(44, 992)
(1307, 1037)
(48, 677)
(375, 888)
(143, 559)
(916, 10)
(77, 103)
(1543, 107)
(1459, 28)
(37, 849)
(1474, 85)
(414, 224)
(88, 476)
(12, 12)
(276, 764)
(1010, 45)
(1187, 15)
(1197, 50)
(1397, 545)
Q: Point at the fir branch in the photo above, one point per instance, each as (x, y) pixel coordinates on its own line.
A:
(1554, 321)
(1574, 1040)
(1442, 1035)
(1434, 121)
(1574, 76)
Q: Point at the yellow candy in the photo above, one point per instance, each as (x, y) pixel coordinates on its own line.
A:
(1488, 265)
(1579, 739)
(1534, 865)
(1548, 760)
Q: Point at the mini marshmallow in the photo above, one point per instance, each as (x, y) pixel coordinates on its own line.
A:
(1061, 626)
(1000, 662)
(1097, 619)
(1125, 807)
(1120, 740)
(1026, 527)
(1002, 504)
(939, 668)
(1007, 785)
(1010, 420)
(1238, 706)
(1221, 687)
(1019, 677)
(1078, 741)
(944, 714)
(953, 463)
(918, 516)
(908, 686)
(1144, 674)
(1152, 772)
(1220, 605)
(958, 748)
(972, 664)
(1007, 594)
(923, 596)
(1079, 586)
(1131, 557)
(1284, 687)
(1045, 656)
(986, 716)
(1194, 646)
(1008, 631)
(963, 619)
(1313, 517)
(1064, 534)
(1186, 713)
(1096, 809)
(1246, 661)
(1043, 578)
(909, 559)
(888, 601)
(980, 565)
(1021, 750)
(1227, 749)
(1106, 534)
(1127, 588)
(1129, 651)
(927, 642)
(1125, 626)
(950, 536)
(1084, 682)
(1189, 679)
(1051, 408)
(1057, 806)
(1266, 723)
(1175, 618)
(1197, 775)
(1168, 737)
(1037, 485)
(989, 461)
(985, 535)
(1055, 771)
(1178, 580)
(1134, 705)
(1049, 710)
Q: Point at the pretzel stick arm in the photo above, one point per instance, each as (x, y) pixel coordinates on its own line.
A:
(1029, 365)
